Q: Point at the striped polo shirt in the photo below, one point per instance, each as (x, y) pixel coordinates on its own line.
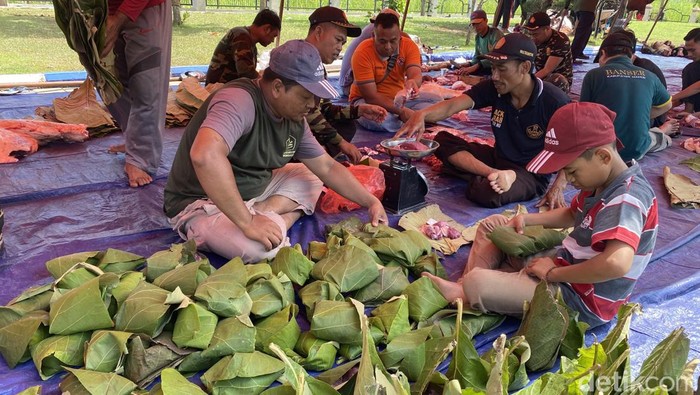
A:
(626, 211)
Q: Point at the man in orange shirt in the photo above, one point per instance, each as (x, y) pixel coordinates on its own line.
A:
(387, 73)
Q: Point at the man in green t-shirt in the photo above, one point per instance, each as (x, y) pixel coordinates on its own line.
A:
(232, 187)
(486, 38)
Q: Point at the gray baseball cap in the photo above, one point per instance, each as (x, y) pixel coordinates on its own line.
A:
(300, 61)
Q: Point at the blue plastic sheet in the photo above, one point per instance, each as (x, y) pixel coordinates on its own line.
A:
(69, 198)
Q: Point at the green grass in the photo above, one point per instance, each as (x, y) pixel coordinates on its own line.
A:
(32, 42)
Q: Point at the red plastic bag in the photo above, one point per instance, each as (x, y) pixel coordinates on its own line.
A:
(372, 178)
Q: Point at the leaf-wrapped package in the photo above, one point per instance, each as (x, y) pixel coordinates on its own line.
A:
(144, 311)
(319, 355)
(224, 292)
(392, 317)
(270, 295)
(424, 299)
(351, 266)
(17, 337)
(166, 260)
(280, 328)
(292, 262)
(106, 351)
(297, 379)
(390, 282)
(244, 373)
(83, 308)
(128, 281)
(429, 263)
(81, 381)
(232, 335)
(51, 354)
(35, 298)
(317, 291)
(336, 321)
(407, 352)
(187, 277)
(148, 357)
(173, 383)
(533, 240)
(544, 326)
(194, 326)
(110, 260)
(404, 247)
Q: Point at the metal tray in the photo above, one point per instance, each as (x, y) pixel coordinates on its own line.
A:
(390, 145)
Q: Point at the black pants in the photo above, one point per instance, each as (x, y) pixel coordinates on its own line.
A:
(584, 28)
(505, 12)
(346, 129)
(526, 186)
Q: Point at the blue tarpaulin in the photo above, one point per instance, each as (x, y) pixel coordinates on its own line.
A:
(68, 198)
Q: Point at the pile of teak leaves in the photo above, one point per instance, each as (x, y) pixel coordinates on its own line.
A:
(115, 329)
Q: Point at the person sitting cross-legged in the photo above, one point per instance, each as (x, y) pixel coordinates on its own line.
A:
(614, 219)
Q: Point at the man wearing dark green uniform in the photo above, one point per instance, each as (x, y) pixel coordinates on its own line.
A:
(635, 94)
(236, 55)
(231, 187)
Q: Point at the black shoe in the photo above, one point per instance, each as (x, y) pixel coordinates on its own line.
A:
(583, 56)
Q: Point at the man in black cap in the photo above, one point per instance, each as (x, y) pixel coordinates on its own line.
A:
(553, 61)
(486, 38)
(334, 125)
(231, 187)
(521, 105)
(635, 94)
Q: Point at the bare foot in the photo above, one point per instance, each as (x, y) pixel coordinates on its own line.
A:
(117, 149)
(670, 127)
(451, 291)
(137, 177)
(502, 180)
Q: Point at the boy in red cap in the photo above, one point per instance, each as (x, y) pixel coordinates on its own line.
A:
(615, 223)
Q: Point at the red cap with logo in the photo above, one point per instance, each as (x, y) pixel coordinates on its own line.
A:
(573, 129)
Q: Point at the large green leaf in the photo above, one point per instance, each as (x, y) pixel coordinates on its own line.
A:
(144, 311)
(173, 383)
(533, 239)
(195, 362)
(544, 327)
(316, 291)
(436, 350)
(95, 383)
(390, 282)
(84, 23)
(665, 364)
(51, 354)
(224, 292)
(693, 163)
(83, 308)
(424, 299)
(280, 328)
(247, 373)
(429, 263)
(292, 262)
(318, 355)
(194, 326)
(466, 366)
(106, 351)
(232, 335)
(620, 333)
(351, 267)
(164, 261)
(392, 317)
(336, 321)
(17, 337)
(58, 266)
(187, 277)
(117, 261)
(575, 333)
